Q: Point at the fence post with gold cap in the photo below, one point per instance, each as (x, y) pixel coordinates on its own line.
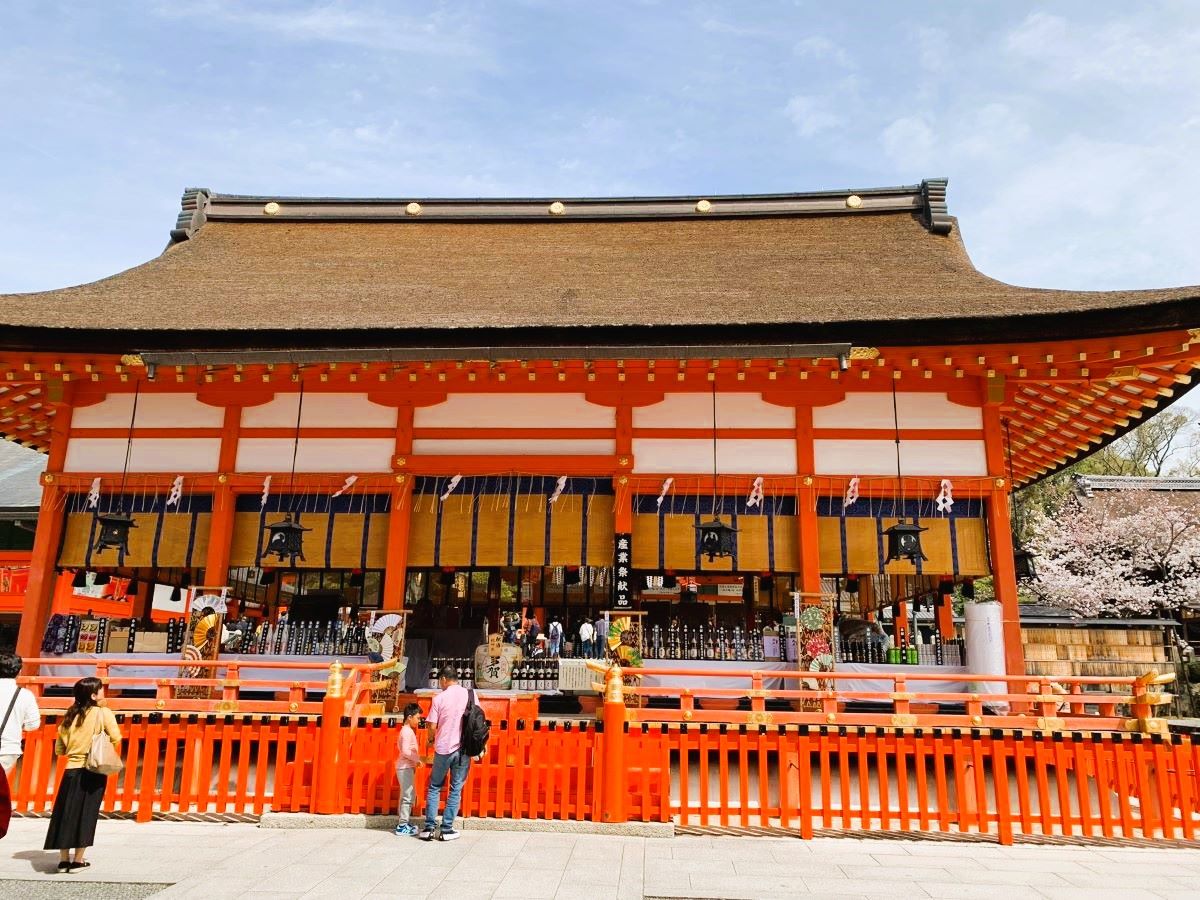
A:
(326, 792)
(614, 794)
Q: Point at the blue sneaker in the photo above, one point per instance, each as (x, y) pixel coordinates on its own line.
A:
(405, 830)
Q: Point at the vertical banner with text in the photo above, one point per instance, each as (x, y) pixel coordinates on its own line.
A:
(622, 576)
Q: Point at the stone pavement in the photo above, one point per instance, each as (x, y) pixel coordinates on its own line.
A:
(245, 862)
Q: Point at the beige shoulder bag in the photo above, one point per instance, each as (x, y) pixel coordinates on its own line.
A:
(103, 758)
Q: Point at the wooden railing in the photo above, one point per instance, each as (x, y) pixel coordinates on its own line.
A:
(1027, 701)
(229, 691)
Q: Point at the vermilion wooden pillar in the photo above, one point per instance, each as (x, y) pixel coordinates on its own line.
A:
(806, 508)
(220, 527)
(622, 505)
(39, 595)
(395, 575)
(945, 616)
(999, 527)
(220, 536)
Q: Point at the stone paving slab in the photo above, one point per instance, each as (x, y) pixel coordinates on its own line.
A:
(87, 890)
(172, 860)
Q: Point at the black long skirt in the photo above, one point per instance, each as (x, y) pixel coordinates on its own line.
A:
(76, 809)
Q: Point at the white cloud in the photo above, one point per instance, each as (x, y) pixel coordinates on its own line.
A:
(821, 48)
(1065, 204)
(370, 26)
(933, 48)
(995, 132)
(717, 26)
(812, 115)
(1135, 52)
(910, 142)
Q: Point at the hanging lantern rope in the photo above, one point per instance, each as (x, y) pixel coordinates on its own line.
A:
(114, 525)
(137, 387)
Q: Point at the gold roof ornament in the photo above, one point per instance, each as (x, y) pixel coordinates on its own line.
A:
(703, 206)
(557, 209)
(864, 352)
(413, 209)
(854, 201)
(271, 209)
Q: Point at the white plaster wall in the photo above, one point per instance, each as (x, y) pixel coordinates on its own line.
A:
(515, 447)
(320, 411)
(850, 457)
(914, 409)
(740, 457)
(148, 455)
(153, 411)
(316, 455)
(695, 410)
(515, 411)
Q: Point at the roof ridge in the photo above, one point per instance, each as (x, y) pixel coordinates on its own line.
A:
(926, 200)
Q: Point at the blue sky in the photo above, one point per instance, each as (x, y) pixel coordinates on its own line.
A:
(1070, 132)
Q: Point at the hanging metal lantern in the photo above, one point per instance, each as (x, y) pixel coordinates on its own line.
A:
(114, 531)
(717, 539)
(286, 540)
(904, 542)
(1023, 562)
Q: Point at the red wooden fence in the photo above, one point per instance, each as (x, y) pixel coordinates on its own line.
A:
(796, 778)
(790, 771)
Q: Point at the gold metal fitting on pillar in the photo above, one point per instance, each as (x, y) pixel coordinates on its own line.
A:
(334, 687)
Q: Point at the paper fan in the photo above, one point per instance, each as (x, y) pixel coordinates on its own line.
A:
(203, 627)
(630, 656)
(190, 654)
(384, 622)
(615, 627)
(813, 618)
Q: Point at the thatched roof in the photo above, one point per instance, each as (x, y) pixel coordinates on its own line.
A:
(889, 263)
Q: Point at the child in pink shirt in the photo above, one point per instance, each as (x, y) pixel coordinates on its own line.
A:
(406, 766)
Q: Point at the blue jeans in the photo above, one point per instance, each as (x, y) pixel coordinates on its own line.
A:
(458, 765)
(585, 649)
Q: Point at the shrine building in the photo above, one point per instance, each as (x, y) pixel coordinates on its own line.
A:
(467, 406)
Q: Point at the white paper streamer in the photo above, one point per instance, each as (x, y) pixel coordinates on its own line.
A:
(345, 487)
(176, 493)
(93, 496)
(451, 486)
(945, 497)
(266, 492)
(851, 493)
(666, 486)
(558, 488)
(756, 494)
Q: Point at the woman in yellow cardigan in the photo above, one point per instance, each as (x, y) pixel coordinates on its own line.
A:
(80, 793)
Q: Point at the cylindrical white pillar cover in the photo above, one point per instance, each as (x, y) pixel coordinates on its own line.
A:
(984, 625)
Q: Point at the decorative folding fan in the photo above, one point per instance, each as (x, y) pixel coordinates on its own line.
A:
(203, 627)
(384, 622)
(615, 627)
(629, 656)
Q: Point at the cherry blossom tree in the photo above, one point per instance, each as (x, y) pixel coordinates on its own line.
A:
(1128, 552)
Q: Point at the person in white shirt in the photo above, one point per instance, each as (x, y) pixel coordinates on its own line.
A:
(21, 709)
(586, 633)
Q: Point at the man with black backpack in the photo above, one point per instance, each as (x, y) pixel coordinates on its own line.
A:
(459, 733)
